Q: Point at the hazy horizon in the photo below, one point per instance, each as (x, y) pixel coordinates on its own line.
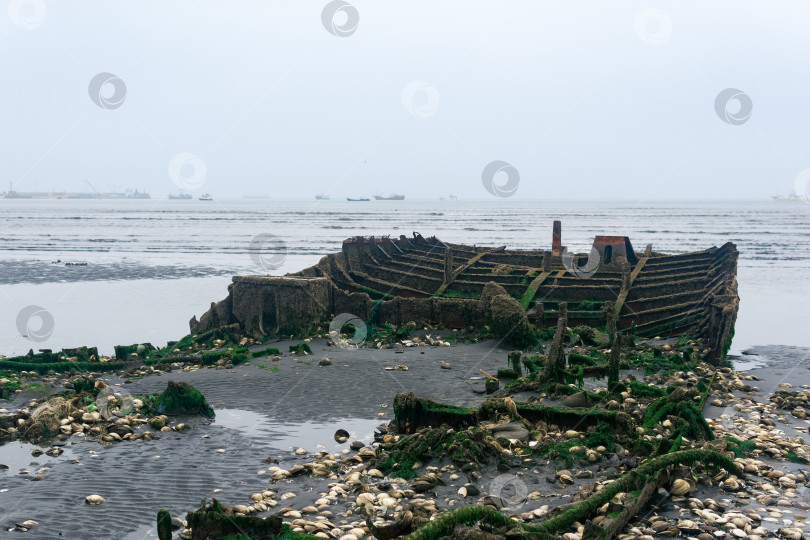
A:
(600, 102)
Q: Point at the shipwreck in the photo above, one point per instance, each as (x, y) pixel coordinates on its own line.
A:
(445, 285)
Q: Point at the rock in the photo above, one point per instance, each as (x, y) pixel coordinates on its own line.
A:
(578, 400)
(181, 399)
(512, 430)
(325, 362)
(445, 365)
(25, 526)
(472, 490)
(491, 385)
(357, 445)
(157, 422)
(94, 499)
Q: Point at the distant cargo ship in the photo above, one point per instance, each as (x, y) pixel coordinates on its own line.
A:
(392, 197)
(206, 197)
(11, 194)
(180, 196)
(321, 197)
(790, 198)
(357, 199)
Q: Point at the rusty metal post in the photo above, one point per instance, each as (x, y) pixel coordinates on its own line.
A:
(556, 239)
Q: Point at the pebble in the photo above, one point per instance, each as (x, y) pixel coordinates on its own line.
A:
(25, 526)
(94, 499)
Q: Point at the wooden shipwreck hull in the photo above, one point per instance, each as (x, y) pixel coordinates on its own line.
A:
(433, 282)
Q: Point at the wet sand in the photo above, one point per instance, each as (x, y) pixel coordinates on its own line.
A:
(261, 413)
(265, 413)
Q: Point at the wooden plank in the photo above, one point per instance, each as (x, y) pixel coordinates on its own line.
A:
(633, 275)
(474, 259)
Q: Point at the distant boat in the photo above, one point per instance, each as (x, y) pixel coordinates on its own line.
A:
(206, 197)
(321, 197)
(357, 199)
(128, 195)
(392, 197)
(180, 196)
(790, 198)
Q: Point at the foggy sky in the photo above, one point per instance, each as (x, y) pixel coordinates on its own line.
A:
(584, 99)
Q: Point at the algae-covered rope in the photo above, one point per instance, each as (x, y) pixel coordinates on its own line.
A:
(444, 524)
(636, 478)
(708, 389)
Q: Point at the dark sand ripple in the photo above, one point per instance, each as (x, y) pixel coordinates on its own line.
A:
(300, 404)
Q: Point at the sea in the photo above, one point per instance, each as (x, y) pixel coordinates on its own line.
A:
(108, 272)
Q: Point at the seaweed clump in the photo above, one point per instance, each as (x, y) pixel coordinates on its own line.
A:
(471, 445)
(179, 399)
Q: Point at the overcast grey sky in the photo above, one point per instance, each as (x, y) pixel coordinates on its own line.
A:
(583, 99)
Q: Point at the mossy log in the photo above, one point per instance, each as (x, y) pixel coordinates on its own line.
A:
(514, 361)
(615, 360)
(564, 417)
(413, 413)
(555, 364)
(445, 524)
(617, 525)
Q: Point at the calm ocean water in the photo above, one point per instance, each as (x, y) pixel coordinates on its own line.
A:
(153, 264)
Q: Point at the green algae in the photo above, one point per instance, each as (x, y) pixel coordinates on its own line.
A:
(552, 528)
(215, 522)
(164, 525)
(602, 436)
(301, 349)
(640, 389)
(265, 352)
(463, 447)
(179, 399)
(695, 426)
